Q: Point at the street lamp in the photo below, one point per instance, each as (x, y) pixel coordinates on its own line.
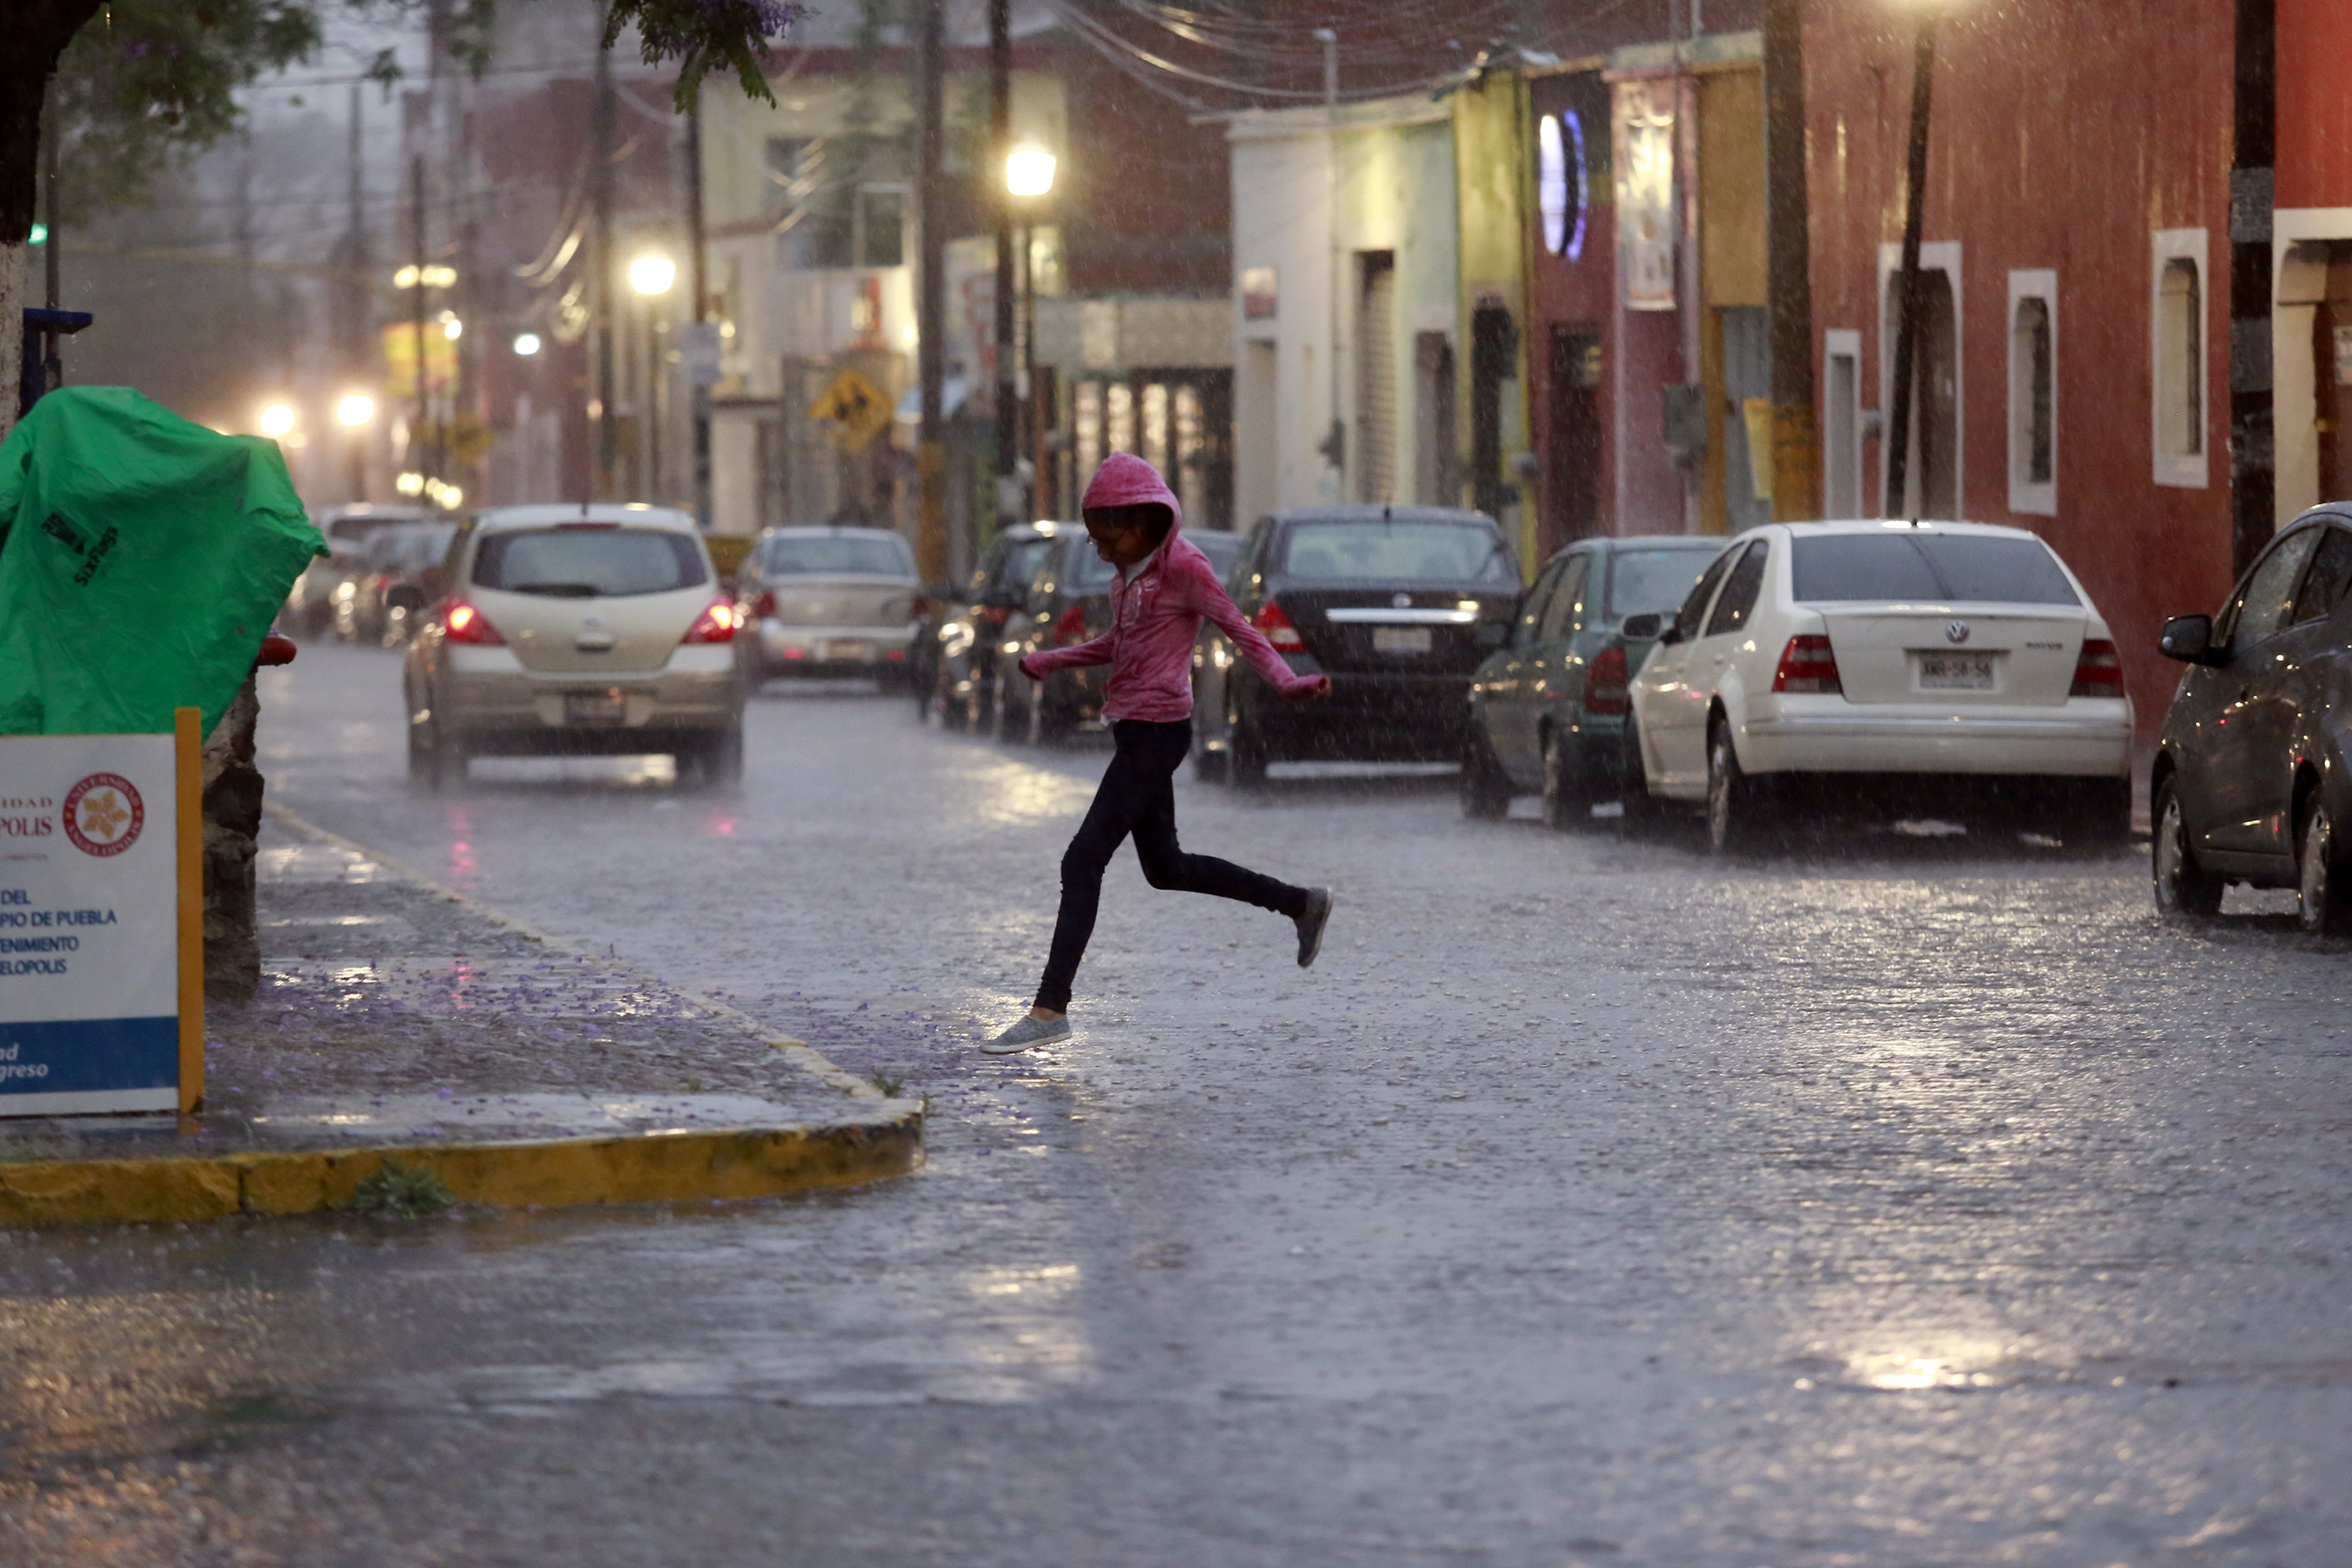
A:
(651, 276)
(526, 343)
(1028, 179)
(277, 421)
(355, 410)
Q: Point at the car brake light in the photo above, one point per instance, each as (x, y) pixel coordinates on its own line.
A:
(1276, 626)
(716, 624)
(1607, 687)
(2099, 671)
(1807, 664)
(764, 606)
(1071, 628)
(463, 623)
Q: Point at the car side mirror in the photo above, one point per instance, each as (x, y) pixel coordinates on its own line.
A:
(2189, 639)
(1643, 628)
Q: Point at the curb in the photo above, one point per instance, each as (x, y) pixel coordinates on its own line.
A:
(748, 1162)
(883, 1138)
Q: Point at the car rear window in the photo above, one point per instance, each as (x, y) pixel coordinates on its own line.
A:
(1652, 582)
(1221, 549)
(871, 555)
(588, 563)
(1933, 568)
(1375, 552)
(1021, 562)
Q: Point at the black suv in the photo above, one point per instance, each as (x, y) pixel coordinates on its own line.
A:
(1397, 605)
(2250, 779)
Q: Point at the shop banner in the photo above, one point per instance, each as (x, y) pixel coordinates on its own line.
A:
(100, 924)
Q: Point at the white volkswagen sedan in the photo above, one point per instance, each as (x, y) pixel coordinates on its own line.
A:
(595, 630)
(1943, 666)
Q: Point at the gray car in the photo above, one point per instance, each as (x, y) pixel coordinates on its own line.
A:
(830, 601)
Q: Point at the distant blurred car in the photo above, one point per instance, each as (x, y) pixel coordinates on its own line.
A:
(1956, 669)
(593, 630)
(311, 604)
(964, 690)
(1069, 601)
(2250, 777)
(1548, 713)
(829, 601)
(400, 571)
(1397, 605)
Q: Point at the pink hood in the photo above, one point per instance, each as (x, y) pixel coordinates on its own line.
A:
(1126, 479)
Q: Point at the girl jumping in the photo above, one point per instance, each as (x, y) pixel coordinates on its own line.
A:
(1164, 590)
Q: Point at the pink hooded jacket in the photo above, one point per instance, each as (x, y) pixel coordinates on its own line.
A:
(1155, 617)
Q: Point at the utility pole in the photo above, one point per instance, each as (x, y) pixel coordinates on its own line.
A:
(704, 345)
(1000, 143)
(1796, 440)
(421, 433)
(601, 292)
(930, 308)
(1335, 440)
(1907, 337)
(362, 289)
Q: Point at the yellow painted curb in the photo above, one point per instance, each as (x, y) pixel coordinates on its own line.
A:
(745, 1162)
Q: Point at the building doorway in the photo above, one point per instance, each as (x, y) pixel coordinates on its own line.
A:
(1573, 452)
(2311, 320)
(1436, 467)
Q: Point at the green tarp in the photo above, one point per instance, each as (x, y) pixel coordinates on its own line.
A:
(142, 558)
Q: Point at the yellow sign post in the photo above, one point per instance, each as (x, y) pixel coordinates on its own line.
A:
(856, 406)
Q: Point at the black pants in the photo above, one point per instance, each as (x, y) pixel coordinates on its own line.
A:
(1137, 797)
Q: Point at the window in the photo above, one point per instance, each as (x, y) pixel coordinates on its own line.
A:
(1686, 619)
(1841, 423)
(1531, 613)
(1650, 582)
(1927, 569)
(1739, 592)
(588, 563)
(2178, 353)
(2323, 584)
(2033, 393)
(841, 554)
(1397, 551)
(826, 217)
(2270, 589)
(1567, 607)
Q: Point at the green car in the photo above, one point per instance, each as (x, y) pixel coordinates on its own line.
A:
(1548, 711)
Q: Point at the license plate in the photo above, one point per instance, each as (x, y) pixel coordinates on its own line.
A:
(595, 708)
(844, 651)
(1400, 639)
(1956, 672)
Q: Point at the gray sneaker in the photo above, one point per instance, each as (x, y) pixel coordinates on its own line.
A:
(1028, 1032)
(1311, 923)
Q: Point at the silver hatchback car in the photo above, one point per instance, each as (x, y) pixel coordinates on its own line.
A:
(830, 601)
(594, 630)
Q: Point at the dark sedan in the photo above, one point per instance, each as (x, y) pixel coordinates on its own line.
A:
(1548, 713)
(1069, 601)
(2250, 778)
(1397, 605)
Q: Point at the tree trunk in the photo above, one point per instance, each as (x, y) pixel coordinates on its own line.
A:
(37, 33)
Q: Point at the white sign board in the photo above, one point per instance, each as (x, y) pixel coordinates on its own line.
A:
(92, 922)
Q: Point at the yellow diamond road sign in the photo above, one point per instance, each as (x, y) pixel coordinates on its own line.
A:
(854, 404)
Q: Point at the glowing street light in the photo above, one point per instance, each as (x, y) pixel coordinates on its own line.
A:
(410, 484)
(451, 327)
(1029, 170)
(355, 410)
(433, 276)
(652, 274)
(277, 420)
(526, 343)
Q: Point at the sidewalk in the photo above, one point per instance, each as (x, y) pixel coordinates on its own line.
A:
(398, 1022)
